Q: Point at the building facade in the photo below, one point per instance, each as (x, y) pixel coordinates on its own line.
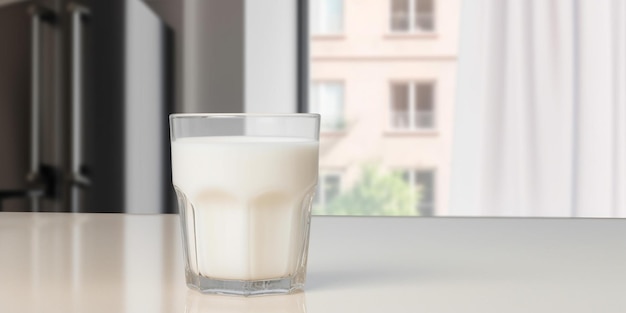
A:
(383, 76)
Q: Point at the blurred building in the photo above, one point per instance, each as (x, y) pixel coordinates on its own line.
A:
(383, 78)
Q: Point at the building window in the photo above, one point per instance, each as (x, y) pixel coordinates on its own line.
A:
(326, 17)
(327, 99)
(412, 105)
(328, 188)
(423, 180)
(410, 16)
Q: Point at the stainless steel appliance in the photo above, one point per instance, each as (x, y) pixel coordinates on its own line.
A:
(84, 98)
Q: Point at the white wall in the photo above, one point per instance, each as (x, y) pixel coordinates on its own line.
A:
(144, 79)
(270, 56)
(239, 56)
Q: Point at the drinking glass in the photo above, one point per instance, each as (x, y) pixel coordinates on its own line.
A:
(245, 184)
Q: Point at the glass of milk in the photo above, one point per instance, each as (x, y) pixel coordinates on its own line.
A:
(245, 184)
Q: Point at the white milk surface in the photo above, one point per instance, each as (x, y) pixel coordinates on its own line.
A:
(248, 196)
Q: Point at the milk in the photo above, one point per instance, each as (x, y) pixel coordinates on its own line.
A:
(248, 204)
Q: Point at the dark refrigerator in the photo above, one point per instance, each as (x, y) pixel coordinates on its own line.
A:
(85, 91)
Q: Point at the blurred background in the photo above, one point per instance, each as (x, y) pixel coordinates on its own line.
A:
(429, 107)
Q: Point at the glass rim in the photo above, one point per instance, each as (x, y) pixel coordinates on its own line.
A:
(243, 115)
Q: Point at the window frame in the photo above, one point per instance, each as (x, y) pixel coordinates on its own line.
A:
(413, 128)
(333, 34)
(321, 187)
(412, 15)
(412, 171)
(310, 105)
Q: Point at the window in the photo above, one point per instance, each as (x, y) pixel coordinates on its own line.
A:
(423, 180)
(327, 100)
(328, 187)
(326, 17)
(412, 106)
(410, 16)
(381, 99)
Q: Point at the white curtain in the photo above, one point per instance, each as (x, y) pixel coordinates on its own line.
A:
(540, 122)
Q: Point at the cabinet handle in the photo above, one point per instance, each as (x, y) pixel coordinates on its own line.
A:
(38, 15)
(38, 183)
(78, 12)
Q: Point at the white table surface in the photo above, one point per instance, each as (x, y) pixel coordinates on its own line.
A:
(56, 262)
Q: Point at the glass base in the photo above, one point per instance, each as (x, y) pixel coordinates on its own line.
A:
(286, 285)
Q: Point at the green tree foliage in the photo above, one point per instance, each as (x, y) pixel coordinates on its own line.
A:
(376, 193)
